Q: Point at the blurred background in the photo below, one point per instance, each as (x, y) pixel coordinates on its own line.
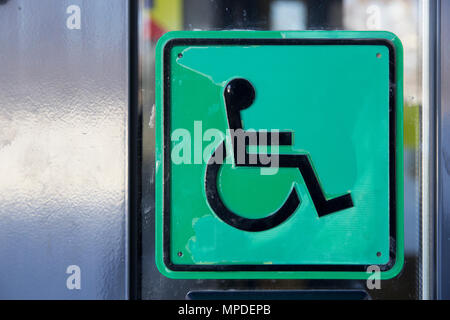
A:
(402, 17)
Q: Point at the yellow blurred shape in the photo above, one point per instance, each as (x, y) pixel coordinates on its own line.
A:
(411, 126)
(168, 14)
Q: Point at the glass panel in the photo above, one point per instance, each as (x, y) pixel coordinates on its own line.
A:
(402, 17)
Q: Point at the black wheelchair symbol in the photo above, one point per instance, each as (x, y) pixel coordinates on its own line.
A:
(239, 94)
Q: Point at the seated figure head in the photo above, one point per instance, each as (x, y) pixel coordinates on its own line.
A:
(239, 95)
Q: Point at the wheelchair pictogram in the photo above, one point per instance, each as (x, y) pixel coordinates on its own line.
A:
(239, 94)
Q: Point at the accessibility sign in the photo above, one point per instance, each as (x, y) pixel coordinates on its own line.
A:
(279, 154)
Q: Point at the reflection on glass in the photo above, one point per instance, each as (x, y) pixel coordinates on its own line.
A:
(403, 17)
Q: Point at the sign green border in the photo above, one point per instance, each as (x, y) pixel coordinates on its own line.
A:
(159, 86)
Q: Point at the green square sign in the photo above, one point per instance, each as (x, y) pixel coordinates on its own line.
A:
(279, 154)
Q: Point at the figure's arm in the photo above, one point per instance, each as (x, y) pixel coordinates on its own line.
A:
(270, 138)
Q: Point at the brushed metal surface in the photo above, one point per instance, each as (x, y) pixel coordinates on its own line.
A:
(63, 149)
(443, 154)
